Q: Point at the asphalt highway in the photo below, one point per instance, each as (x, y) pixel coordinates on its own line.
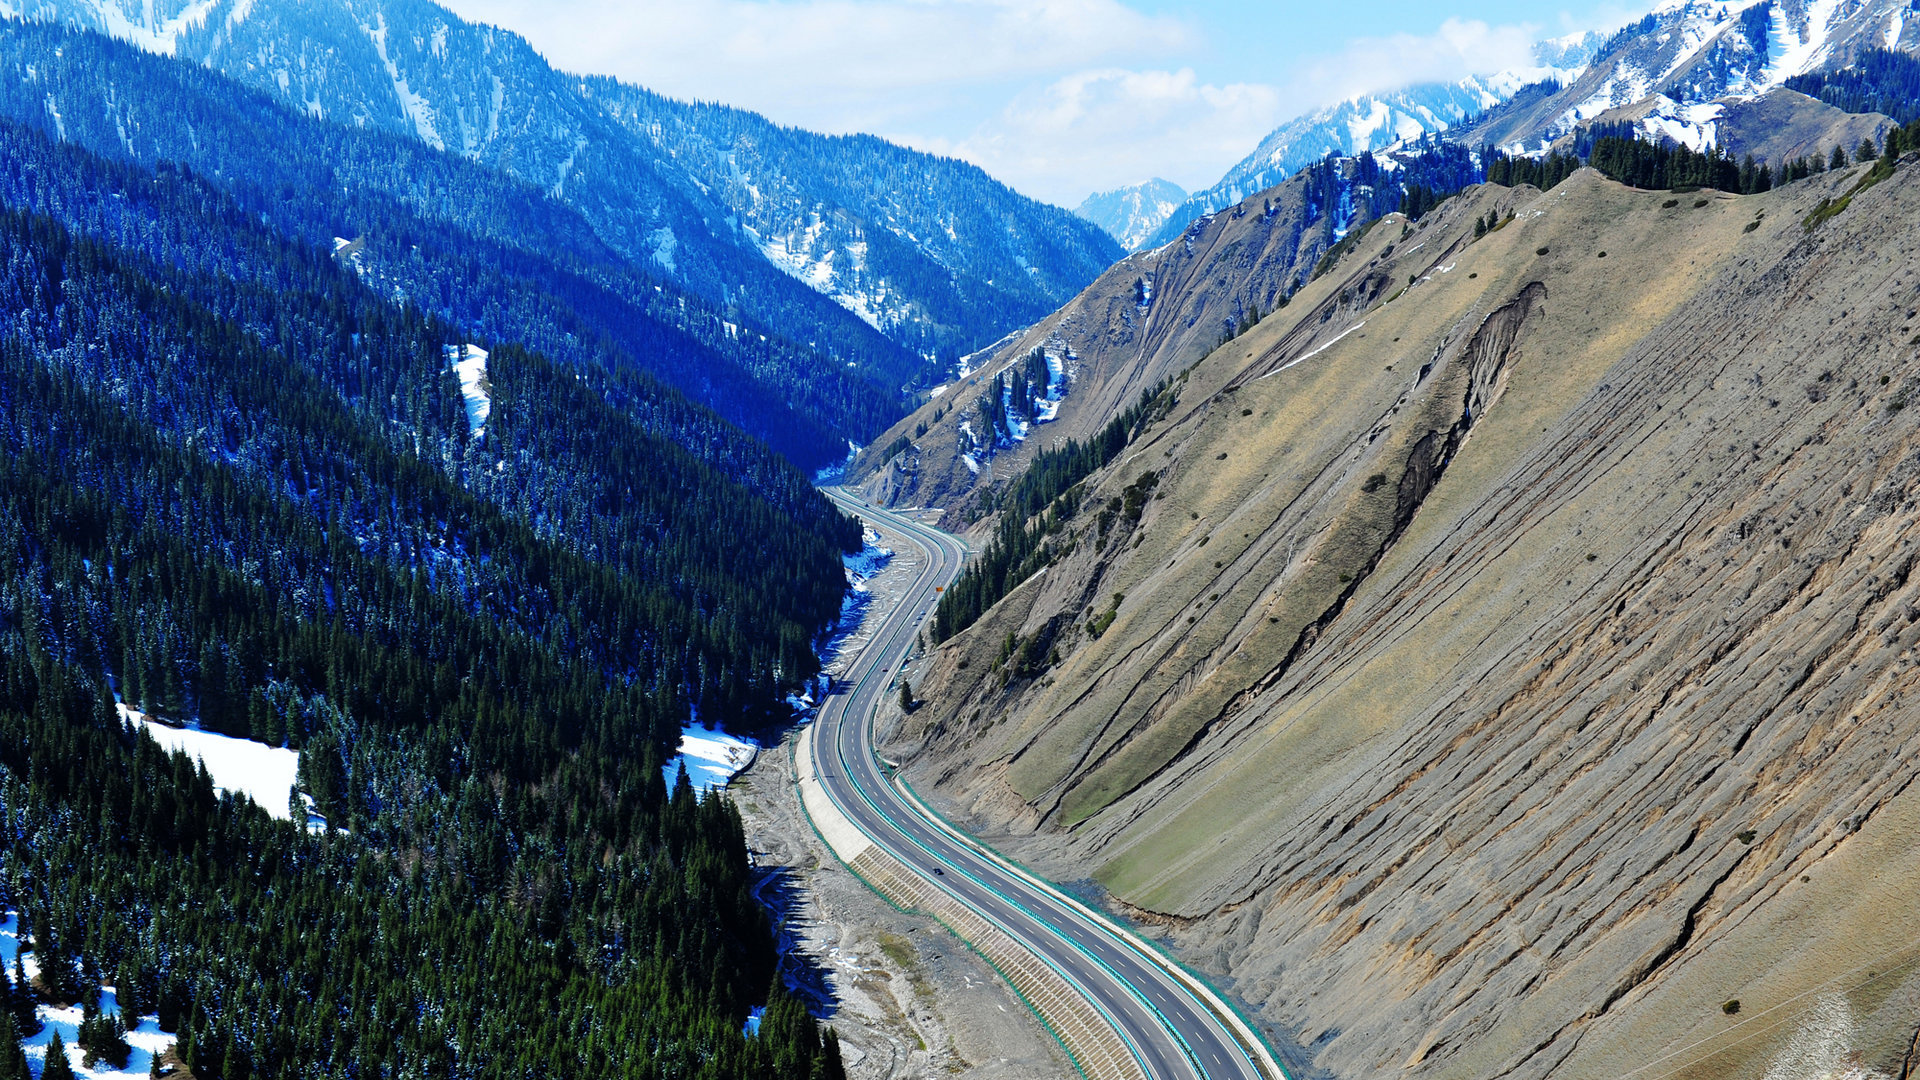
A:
(1173, 1027)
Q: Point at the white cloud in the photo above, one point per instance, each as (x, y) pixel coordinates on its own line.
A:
(1102, 128)
(837, 65)
(1460, 47)
(1107, 127)
(1055, 97)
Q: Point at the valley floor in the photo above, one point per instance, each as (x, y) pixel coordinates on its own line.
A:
(908, 998)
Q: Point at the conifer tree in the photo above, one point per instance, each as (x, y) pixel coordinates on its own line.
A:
(26, 1018)
(828, 1065)
(13, 1059)
(57, 1066)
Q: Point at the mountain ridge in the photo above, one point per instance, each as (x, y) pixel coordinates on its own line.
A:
(487, 251)
(1692, 55)
(413, 67)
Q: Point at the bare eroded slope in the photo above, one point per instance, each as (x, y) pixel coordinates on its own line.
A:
(1509, 670)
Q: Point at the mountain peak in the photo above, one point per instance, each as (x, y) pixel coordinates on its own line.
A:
(1132, 214)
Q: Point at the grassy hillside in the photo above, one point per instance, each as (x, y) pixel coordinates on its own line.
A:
(1508, 670)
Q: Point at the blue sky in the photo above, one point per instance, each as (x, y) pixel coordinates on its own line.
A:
(1058, 98)
(1246, 40)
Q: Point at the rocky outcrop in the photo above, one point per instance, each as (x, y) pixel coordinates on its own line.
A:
(1508, 670)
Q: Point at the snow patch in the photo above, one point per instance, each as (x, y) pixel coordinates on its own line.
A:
(149, 33)
(1695, 126)
(147, 1041)
(1823, 1047)
(865, 565)
(469, 365)
(1798, 50)
(1316, 352)
(565, 169)
(664, 245)
(265, 774)
(412, 105)
(710, 758)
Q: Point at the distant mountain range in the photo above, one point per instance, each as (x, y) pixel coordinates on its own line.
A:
(1132, 214)
(839, 240)
(1677, 69)
(1369, 122)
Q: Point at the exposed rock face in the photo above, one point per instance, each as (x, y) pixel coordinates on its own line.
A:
(1509, 670)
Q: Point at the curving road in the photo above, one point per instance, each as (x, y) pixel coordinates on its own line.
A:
(1175, 1028)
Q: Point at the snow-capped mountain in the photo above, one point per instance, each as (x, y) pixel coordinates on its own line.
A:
(833, 239)
(931, 251)
(1132, 214)
(1372, 122)
(1674, 68)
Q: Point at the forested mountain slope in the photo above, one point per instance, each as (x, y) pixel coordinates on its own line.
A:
(1506, 674)
(870, 252)
(459, 239)
(933, 251)
(239, 487)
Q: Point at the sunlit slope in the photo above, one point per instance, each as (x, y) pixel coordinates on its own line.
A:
(1496, 655)
(1145, 319)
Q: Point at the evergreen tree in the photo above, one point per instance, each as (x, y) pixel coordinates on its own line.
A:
(59, 972)
(830, 1066)
(57, 1066)
(101, 1038)
(1876, 80)
(13, 1059)
(20, 1006)
(489, 665)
